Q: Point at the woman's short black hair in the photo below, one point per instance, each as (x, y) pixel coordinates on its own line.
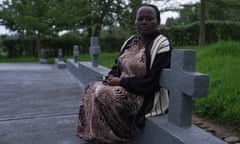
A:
(155, 8)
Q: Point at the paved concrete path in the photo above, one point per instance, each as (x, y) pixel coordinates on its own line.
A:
(38, 104)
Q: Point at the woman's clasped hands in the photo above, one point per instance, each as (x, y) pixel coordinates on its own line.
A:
(111, 80)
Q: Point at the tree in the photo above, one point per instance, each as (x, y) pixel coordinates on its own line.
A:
(69, 15)
(202, 31)
(127, 18)
(105, 13)
(89, 15)
(223, 10)
(27, 17)
(220, 10)
(189, 13)
(207, 10)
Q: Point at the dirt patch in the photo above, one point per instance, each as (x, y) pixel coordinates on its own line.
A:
(223, 132)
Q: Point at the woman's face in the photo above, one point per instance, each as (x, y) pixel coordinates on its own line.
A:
(146, 20)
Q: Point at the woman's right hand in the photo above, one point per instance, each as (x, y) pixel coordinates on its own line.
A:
(109, 77)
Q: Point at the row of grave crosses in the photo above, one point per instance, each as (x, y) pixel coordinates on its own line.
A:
(181, 80)
(94, 51)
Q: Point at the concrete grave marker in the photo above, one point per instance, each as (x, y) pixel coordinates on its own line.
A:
(75, 53)
(42, 59)
(59, 61)
(183, 84)
(94, 51)
(60, 54)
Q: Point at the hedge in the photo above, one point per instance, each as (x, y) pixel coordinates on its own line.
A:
(112, 41)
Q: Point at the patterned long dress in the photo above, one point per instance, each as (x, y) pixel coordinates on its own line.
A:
(107, 112)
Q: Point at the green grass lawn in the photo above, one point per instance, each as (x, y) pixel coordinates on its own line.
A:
(18, 59)
(221, 61)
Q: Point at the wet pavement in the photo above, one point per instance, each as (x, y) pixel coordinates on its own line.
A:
(38, 104)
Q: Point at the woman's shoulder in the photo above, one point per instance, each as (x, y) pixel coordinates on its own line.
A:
(161, 37)
(160, 44)
(127, 42)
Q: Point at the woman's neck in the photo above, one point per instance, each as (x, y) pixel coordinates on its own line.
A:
(146, 38)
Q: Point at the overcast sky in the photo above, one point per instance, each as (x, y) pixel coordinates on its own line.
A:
(173, 3)
(161, 5)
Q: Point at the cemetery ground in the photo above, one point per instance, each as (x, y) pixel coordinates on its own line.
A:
(39, 104)
(222, 131)
(220, 61)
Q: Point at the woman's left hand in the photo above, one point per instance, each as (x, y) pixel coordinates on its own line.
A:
(113, 81)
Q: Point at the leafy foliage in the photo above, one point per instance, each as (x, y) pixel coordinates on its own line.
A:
(215, 31)
(127, 18)
(25, 15)
(54, 15)
(220, 10)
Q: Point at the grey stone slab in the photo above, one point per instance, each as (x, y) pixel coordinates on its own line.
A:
(38, 105)
(40, 130)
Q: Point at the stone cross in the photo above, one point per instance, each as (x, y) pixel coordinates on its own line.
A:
(75, 53)
(42, 58)
(183, 84)
(60, 54)
(94, 51)
(42, 53)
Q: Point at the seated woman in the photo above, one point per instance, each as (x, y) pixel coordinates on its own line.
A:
(110, 110)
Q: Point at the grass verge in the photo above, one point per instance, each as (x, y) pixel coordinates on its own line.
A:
(222, 62)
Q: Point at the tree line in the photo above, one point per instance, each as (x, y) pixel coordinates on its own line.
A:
(44, 19)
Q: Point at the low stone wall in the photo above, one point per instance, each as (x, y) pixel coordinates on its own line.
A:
(59, 63)
(85, 72)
